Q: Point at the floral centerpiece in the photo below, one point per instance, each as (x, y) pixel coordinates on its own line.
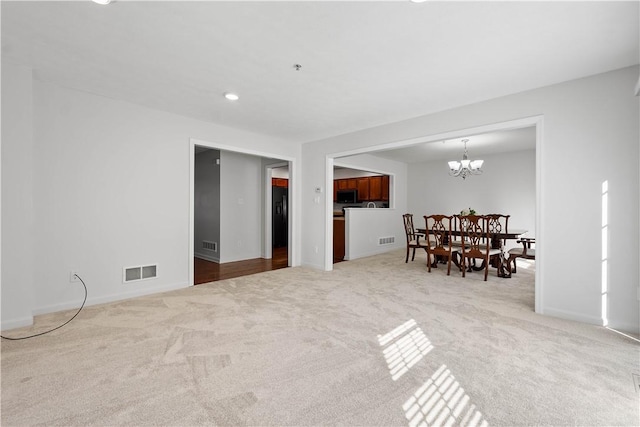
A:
(465, 212)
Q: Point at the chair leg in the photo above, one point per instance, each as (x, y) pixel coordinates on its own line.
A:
(406, 259)
(486, 269)
(464, 267)
(414, 254)
(449, 267)
(428, 262)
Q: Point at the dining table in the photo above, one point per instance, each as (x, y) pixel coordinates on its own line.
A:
(496, 243)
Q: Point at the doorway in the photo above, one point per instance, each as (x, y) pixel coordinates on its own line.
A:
(536, 122)
(237, 206)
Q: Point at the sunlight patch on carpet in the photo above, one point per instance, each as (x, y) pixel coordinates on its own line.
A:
(441, 401)
(404, 347)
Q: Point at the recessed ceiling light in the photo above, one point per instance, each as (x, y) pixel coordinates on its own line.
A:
(231, 96)
(102, 2)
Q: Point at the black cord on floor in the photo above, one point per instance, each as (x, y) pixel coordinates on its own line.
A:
(58, 327)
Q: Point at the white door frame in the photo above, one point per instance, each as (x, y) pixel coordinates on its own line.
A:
(267, 251)
(292, 249)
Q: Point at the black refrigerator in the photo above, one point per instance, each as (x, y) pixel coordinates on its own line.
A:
(279, 217)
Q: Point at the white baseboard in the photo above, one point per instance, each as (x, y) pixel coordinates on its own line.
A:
(569, 315)
(312, 265)
(207, 257)
(108, 298)
(16, 323)
(375, 251)
(624, 327)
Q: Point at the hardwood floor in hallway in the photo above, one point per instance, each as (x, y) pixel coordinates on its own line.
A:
(208, 271)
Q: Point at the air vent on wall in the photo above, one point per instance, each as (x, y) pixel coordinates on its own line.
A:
(132, 274)
(210, 246)
(386, 240)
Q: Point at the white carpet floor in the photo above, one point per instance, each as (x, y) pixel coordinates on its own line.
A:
(374, 342)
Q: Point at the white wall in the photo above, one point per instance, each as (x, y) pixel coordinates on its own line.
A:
(281, 172)
(589, 134)
(364, 228)
(507, 186)
(241, 206)
(18, 257)
(342, 173)
(206, 215)
(110, 190)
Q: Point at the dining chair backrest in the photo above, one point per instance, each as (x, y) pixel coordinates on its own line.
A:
(438, 231)
(498, 223)
(408, 227)
(473, 229)
(413, 238)
(459, 222)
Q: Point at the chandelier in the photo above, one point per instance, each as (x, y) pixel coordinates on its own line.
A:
(465, 167)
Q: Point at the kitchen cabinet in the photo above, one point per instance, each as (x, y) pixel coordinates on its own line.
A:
(375, 188)
(385, 188)
(363, 189)
(347, 184)
(370, 188)
(280, 182)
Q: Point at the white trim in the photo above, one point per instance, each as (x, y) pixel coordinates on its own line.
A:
(232, 148)
(192, 201)
(235, 149)
(293, 256)
(121, 296)
(570, 315)
(328, 225)
(540, 239)
(17, 323)
(267, 250)
(207, 257)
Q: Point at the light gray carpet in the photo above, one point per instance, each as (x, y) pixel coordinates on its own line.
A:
(375, 342)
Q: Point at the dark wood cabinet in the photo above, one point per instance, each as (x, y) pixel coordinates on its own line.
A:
(280, 182)
(363, 189)
(375, 188)
(338, 239)
(385, 188)
(370, 188)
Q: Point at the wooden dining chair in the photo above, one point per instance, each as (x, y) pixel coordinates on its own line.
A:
(438, 229)
(476, 243)
(414, 240)
(526, 252)
(459, 222)
(498, 223)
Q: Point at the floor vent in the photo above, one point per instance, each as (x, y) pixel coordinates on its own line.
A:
(143, 272)
(386, 240)
(210, 246)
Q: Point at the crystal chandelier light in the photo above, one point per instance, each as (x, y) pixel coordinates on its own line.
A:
(465, 167)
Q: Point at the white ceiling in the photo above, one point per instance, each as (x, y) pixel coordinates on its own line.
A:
(363, 63)
(477, 146)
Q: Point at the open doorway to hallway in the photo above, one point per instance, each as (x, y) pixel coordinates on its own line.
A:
(233, 209)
